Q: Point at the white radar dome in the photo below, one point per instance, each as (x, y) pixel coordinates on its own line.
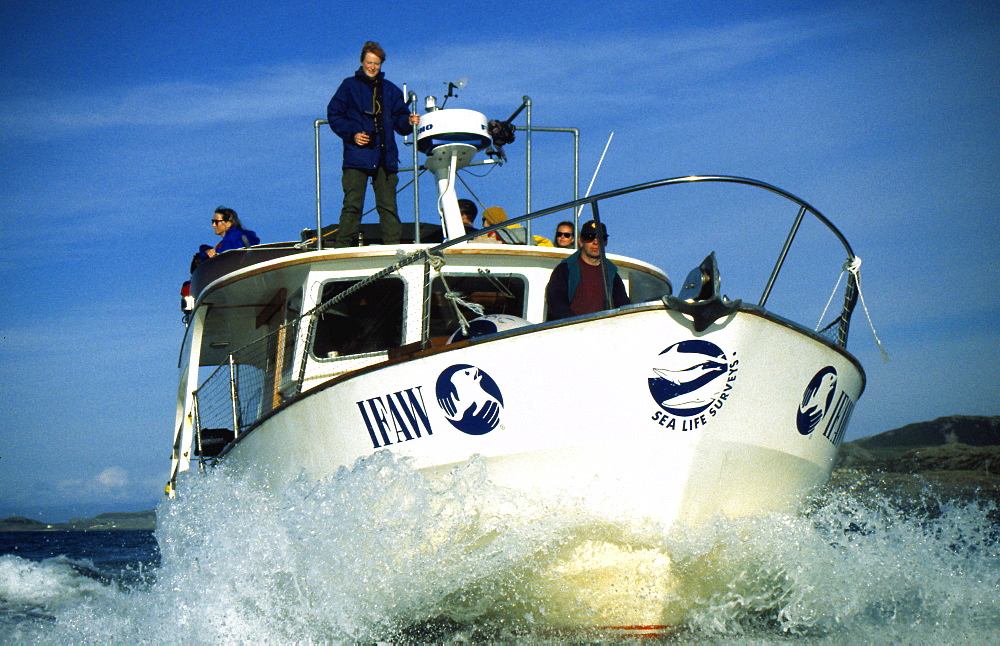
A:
(442, 127)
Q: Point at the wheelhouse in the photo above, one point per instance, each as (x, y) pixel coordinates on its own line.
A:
(264, 333)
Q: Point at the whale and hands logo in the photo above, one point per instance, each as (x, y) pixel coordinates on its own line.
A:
(470, 399)
(690, 375)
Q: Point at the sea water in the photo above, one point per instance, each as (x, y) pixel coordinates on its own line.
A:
(379, 554)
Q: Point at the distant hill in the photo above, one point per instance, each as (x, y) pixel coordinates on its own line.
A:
(955, 429)
(21, 524)
(955, 457)
(115, 520)
(957, 442)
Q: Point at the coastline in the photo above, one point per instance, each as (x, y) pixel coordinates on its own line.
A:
(138, 520)
(919, 467)
(922, 466)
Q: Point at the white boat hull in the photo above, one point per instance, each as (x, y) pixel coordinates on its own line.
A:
(749, 440)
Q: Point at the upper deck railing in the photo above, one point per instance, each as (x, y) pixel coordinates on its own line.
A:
(417, 169)
(247, 387)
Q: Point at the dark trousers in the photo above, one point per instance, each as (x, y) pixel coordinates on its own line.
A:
(355, 182)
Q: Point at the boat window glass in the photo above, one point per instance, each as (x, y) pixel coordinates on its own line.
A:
(368, 320)
(497, 295)
(293, 309)
(644, 287)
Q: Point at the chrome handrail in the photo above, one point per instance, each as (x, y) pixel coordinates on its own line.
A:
(804, 207)
(254, 389)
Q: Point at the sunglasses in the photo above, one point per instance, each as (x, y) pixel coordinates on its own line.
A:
(590, 237)
(214, 222)
(563, 234)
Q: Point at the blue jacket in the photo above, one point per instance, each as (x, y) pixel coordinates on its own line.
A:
(357, 95)
(234, 239)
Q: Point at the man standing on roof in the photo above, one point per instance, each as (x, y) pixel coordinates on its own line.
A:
(365, 112)
(576, 287)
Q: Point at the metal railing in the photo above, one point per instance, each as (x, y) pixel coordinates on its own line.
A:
(417, 169)
(249, 385)
(259, 376)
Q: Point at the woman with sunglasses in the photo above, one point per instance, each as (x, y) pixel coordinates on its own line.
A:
(227, 224)
(564, 235)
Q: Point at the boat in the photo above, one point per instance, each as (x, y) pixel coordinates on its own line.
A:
(299, 360)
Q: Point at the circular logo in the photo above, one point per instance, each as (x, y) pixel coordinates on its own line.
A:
(816, 400)
(689, 375)
(470, 399)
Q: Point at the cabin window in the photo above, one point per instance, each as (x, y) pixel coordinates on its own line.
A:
(368, 320)
(498, 294)
(643, 287)
(293, 310)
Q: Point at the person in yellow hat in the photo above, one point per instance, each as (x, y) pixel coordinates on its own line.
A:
(512, 234)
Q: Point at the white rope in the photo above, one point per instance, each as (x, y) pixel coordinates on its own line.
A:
(822, 316)
(853, 267)
(436, 261)
(455, 298)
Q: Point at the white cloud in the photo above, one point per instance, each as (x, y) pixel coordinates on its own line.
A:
(113, 484)
(110, 483)
(113, 478)
(561, 70)
(253, 95)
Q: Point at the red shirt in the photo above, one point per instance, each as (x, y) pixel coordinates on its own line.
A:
(589, 296)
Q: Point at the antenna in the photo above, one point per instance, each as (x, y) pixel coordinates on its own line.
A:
(452, 86)
(596, 171)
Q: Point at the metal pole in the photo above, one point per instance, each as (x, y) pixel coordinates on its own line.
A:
(425, 322)
(516, 112)
(850, 300)
(416, 175)
(527, 104)
(781, 256)
(576, 182)
(233, 396)
(197, 430)
(576, 165)
(319, 214)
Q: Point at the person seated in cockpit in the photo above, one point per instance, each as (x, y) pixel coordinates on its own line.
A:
(468, 210)
(227, 224)
(576, 286)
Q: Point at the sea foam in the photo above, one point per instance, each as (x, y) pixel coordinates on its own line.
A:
(380, 553)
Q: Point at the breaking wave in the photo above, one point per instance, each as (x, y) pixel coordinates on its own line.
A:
(380, 553)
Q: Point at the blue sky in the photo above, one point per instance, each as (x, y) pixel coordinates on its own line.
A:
(124, 125)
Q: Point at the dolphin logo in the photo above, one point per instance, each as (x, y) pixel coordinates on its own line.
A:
(686, 379)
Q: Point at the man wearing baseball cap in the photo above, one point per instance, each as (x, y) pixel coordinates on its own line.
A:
(576, 286)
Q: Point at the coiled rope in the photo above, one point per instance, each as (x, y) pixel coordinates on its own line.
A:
(453, 297)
